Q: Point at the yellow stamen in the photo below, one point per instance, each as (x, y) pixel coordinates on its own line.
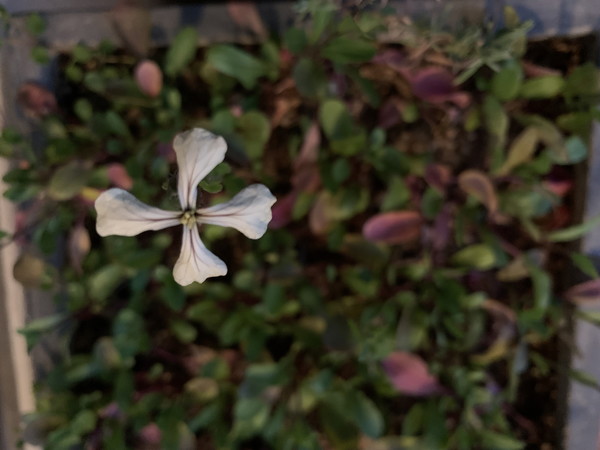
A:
(188, 219)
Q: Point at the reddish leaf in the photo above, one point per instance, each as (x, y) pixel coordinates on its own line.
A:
(150, 435)
(584, 293)
(409, 374)
(282, 210)
(149, 77)
(438, 176)
(245, 14)
(432, 83)
(393, 58)
(436, 85)
(478, 184)
(397, 227)
(533, 70)
(442, 228)
(309, 153)
(389, 114)
(36, 100)
(559, 181)
(118, 176)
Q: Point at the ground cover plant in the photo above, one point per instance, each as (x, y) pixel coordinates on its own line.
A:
(409, 290)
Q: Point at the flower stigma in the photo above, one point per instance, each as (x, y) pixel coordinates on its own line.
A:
(188, 218)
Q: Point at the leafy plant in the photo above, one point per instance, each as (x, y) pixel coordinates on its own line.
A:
(409, 281)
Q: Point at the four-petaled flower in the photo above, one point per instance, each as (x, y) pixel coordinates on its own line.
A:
(198, 152)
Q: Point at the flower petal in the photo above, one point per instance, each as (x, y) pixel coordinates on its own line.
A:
(198, 152)
(248, 212)
(196, 262)
(121, 214)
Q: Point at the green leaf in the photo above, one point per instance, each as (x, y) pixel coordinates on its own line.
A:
(129, 330)
(35, 24)
(584, 378)
(574, 232)
(547, 86)
(335, 119)
(583, 80)
(521, 151)
(115, 124)
(68, 181)
(31, 271)
(103, 282)
(255, 129)
(496, 120)
(236, 63)
(542, 287)
(366, 415)
(493, 440)
(40, 54)
(347, 50)
(182, 51)
(585, 264)
(397, 195)
(310, 78)
(35, 329)
(477, 256)
(83, 109)
(184, 331)
(250, 416)
(506, 83)
(295, 40)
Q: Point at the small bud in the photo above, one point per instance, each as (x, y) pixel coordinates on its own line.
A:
(149, 78)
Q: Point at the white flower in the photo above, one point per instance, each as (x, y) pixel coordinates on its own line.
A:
(198, 152)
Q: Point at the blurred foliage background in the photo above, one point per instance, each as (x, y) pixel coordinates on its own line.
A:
(411, 290)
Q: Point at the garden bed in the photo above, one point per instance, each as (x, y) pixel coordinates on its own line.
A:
(409, 291)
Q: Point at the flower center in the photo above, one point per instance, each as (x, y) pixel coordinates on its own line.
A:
(188, 218)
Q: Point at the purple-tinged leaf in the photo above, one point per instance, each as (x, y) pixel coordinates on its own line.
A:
(409, 374)
(390, 113)
(282, 210)
(149, 78)
(438, 176)
(393, 58)
(436, 85)
(442, 228)
(584, 293)
(398, 227)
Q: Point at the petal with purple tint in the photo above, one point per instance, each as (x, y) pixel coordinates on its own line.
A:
(121, 214)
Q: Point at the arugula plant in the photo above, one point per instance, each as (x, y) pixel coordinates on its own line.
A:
(409, 280)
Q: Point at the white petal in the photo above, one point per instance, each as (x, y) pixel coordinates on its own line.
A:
(248, 212)
(196, 262)
(198, 152)
(121, 214)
